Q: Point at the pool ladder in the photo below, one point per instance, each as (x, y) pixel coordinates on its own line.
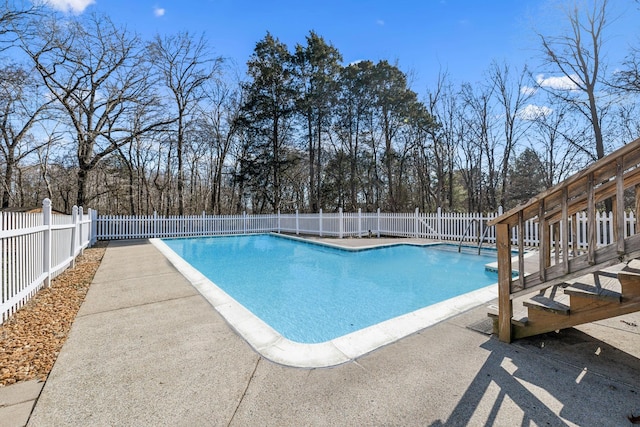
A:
(480, 239)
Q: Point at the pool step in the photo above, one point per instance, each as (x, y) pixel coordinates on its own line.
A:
(595, 296)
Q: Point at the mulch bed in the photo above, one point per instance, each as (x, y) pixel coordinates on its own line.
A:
(31, 339)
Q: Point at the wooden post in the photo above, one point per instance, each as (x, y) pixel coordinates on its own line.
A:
(564, 230)
(521, 225)
(574, 234)
(591, 221)
(543, 237)
(505, 308)
(637, 207)
(619, 209)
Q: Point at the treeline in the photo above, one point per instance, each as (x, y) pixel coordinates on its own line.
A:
(91, 114)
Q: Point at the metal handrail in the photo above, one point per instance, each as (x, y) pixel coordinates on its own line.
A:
(465, 233)
(484, 234)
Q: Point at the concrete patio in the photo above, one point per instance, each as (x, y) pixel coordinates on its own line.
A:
(148, 349)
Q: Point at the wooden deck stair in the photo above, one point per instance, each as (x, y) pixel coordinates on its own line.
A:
(579, 283)
(606, 293)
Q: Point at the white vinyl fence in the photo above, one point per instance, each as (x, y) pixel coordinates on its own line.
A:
(458, 227)
(36, 247)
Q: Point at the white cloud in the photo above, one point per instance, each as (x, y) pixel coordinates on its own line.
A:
(561, 83)
(75, 6)
(528, 90)
(532, 112)
(159, 11)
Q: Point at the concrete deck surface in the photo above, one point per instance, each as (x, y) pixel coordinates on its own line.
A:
(147, 349)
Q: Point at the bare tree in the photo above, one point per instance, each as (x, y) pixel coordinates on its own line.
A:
(481, 173)
(12, 15)
(21, 106)
(185, 65)
(97, 73)
(444, 106)
(218, 126)
(512, 100)
(578, 56)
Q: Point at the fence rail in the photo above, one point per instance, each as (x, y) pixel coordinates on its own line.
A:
(467, 227)
(35, 248)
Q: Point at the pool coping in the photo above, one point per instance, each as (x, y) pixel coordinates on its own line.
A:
(276, 348)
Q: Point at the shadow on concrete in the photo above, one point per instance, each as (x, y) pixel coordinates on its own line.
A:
(587, 381)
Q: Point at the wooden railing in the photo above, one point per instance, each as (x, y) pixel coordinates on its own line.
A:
(606, 179)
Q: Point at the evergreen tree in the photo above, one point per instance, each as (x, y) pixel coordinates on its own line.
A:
(267, 115)
(317, 68)
(526, 178)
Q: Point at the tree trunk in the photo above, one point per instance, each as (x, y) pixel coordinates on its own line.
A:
(8, 173)
(83, 172)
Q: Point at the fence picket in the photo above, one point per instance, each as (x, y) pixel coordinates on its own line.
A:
(469, 227)
(34, 248)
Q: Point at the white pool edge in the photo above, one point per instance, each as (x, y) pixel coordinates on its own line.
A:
(273, 346)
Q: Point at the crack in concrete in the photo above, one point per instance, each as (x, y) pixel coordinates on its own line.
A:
(138, 305)
(244, 393)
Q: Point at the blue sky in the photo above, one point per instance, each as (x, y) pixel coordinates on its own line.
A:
(423, 36)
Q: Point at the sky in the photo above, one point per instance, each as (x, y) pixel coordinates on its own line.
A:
(424, 37)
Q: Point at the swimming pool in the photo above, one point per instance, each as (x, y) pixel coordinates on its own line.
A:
(315, 298)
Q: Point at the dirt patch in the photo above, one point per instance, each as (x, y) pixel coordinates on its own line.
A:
(31, 339)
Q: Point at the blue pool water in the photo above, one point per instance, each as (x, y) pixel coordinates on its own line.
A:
(311, 293)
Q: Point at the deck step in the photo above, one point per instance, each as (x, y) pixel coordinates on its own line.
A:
(633, 264)
(545, 303)
(630, 283)
(588, 298)
(516, 320)
(585, 290)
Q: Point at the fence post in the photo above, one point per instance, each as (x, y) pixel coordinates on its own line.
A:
(341, 224)
(359, 222)
(80, 228)
(90, 230)
(94, 224)
(46, 221)
(155, 224)
(378, 231)
(481, 218)
(416, 222)
(74, 235)
(439, 223)
(320, 223)
(244, 222)
(278, 221)
(297, 223)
